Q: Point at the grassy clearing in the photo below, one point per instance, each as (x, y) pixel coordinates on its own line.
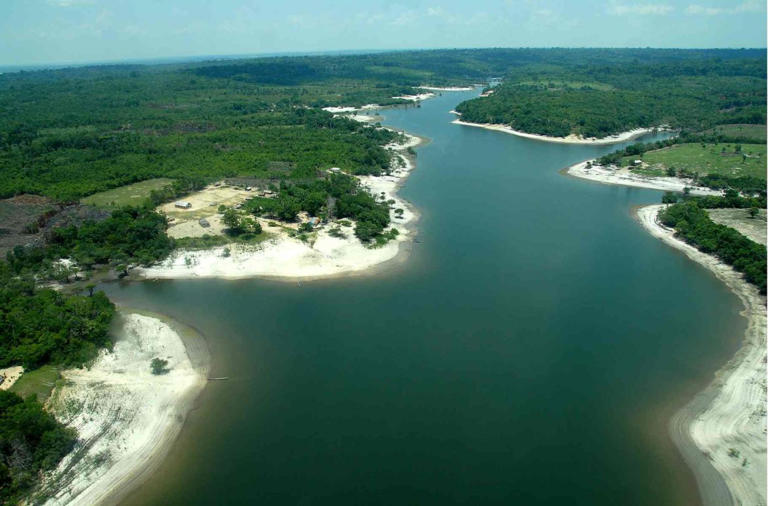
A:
(38, 382)
(129, 195)
(705, 159)
(754, 132)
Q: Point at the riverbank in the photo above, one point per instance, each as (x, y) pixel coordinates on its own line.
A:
(721, 432)
(571, 139)
(623, 176)
(127, 418)
(324, 255)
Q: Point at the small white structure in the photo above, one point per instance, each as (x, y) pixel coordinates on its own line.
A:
(183, 204)
(334, 169)
(637, 162)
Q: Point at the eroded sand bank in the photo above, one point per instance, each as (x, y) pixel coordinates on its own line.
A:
(126, 416)
(722, 431)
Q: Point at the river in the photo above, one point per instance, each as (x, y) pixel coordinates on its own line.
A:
(530, 350)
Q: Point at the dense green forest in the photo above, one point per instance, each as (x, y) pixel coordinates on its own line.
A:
(31, 442)
(127, 236)
(596, 100)
(692, 223)
(41, 326)
(68, 133)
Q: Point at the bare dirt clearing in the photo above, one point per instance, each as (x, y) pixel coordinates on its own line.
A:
(739, 219)
(203, 205)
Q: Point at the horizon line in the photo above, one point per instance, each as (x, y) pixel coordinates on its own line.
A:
(160, 60)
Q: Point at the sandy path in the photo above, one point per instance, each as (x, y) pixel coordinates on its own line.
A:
(290, 258)
(623, 176)
(722, 431)
(126, 417)
(571, 139)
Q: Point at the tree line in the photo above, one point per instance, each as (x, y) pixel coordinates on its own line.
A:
(692, 223)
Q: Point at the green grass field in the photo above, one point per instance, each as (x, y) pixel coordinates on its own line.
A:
(708, 159)
(38, 382)
(129, 195)
(754, 132)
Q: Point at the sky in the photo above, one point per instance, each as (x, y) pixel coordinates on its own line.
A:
(78, 31)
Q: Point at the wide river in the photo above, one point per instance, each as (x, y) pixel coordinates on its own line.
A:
(531, 349)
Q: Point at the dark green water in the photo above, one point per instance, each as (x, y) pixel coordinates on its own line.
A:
(530, 351)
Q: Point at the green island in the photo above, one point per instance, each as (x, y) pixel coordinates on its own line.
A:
(93, 159)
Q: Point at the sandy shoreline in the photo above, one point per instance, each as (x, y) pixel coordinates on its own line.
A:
(721, 432)
(291, 259)
(571, 139)
(447, 88)
(127, 418)
(623, 176)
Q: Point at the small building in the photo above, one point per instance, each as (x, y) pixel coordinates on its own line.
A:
(334, 169)
(183, 204)
(637, 162)
(203, 223)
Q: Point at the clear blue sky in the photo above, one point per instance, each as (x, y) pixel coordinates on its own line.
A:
(52, 31)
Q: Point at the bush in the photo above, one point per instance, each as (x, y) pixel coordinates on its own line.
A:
(159, 366)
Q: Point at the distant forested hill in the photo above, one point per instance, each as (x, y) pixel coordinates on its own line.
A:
(68, 133)
(597, 99)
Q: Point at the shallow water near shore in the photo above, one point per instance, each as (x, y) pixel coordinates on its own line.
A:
(531, 349)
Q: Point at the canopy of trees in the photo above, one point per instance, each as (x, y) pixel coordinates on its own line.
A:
(129, 235)
(347, 200)
(597, 100)
(693, 225)
(31, 441)
(42, 326)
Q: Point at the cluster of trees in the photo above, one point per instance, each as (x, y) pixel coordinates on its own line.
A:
(238, 225)
(604, 99)
(31, 442)
(692, 224)
(335, 196)
(42, 326)
(128, 235)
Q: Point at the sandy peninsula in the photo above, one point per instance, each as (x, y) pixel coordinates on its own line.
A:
(722, 431)
(288, 257)
(126, 416)
(623, 176)
(447, 88)
(571, 139)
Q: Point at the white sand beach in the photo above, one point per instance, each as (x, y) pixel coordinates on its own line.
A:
(447, 88)
(126, 417)
(724, 427)
(10, 375)
(571, 139)
(289, 257)
(416, 98)
(623, 176)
